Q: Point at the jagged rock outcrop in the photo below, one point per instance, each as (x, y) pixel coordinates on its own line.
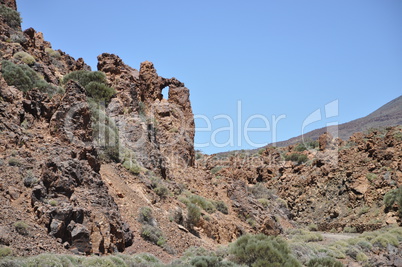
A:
(49, 145)
(160, 131)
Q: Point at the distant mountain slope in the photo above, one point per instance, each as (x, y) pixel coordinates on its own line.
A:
(389, 114)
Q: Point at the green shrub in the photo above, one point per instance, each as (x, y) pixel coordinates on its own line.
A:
(5, 251)
(365, 245)
(383, 240)
(153, 235)
(371, 176)
(301, 235)
(132, 167)
(98, 262)
(53, 202)
(94, 83)
(300, 147)
(20, 76)
(264, 202)
(24, 57)
(349, 229)
(296, 157)
(202, 202)
(361, 257)
(210, 261)
(52, 53)
(100, 91)
(390, 198)
(145, 216)
(161, 190)
(21, 228)
(193, 214)
(363, 210)
(10, 16)
(221, 206)
(324, 262)
(30, 180)
(262, 250)
(312, 227)
(25, 79)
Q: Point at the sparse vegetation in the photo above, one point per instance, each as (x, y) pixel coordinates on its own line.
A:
(262, 250)
(221, 206)
(24, 57)
(94, 83)
(193, 215)
(25, 79)
(5, 251)
(153, 234)
(312, 227)
(10, 16)
(349, 229)
(363, 210)
(21, 227)
(371, 176)
(324, 262)
(52, 53)
(132, 167)
(145, 216)
(296, 157)
(53, 202)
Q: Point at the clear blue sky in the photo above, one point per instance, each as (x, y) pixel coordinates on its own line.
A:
(278, 57)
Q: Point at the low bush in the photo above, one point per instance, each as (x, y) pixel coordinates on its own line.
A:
(5, 251)
(25, 79)
(312, 227)
(10, 16)
(193, 215)
(21, 228)
(296, 157)
(24, 57)
(202, 202)
(52, 53)
(324, 262)
(221, 206)
(385, 239)
(145, 216)
(20, 76)
(94, 83)
(371, 176)
(262, 250)
(349, 229)
(153, 235)
(132, 167)
(390, 198)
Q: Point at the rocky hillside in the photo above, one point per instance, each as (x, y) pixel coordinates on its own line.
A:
(389, 114)
(101, 163)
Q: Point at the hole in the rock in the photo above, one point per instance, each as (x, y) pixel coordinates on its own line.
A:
(165, 92)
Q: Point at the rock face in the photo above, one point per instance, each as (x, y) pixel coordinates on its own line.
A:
(10, 3)
(160, 131)
(54, 159)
